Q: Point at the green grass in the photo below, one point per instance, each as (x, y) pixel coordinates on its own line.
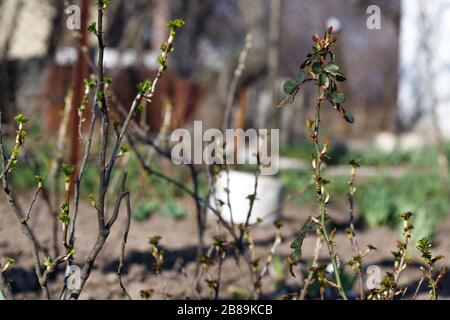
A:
(370, 156)
(381, 199)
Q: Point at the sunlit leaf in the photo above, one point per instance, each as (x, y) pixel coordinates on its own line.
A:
(324, 80)
(331, 69)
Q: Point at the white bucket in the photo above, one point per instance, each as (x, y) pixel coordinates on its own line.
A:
(267, 206)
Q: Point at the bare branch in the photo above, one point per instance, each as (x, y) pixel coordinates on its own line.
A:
(21, 218)
(124, 243)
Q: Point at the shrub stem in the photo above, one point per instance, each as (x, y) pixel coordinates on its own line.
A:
(322, 200)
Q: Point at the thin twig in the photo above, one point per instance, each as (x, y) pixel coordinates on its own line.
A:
(33, 201)
(21, 218)
(80, 175)
(148, 95)
(229, 111)
(101, 239)
(317, 163)
(150, 171)
(269, 259)
(124, 243)
(418, 288)
(234, 84)
(312, 268)
(355, 246)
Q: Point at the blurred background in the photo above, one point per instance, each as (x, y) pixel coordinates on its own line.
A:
(397, 88)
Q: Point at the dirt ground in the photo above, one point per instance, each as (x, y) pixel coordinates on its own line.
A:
(179, 239)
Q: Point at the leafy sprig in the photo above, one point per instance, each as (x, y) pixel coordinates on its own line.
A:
(320, 68)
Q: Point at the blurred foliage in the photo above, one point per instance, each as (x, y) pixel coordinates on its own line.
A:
(144, 210)
(171, 209)
(370, 156)
(278, 272)
(379, 199)
(162, 194)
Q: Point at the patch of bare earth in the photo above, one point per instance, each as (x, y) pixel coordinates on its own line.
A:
(179, 239)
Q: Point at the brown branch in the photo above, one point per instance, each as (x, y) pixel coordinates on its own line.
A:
(124, 243)
(234, 83)
(312, 268)
(199, 200)
(101, 239)
(53, 266)
(115, 213)
(74, 213)
(150, 171)
(269, 259)
(33, 201)
(355, 246)
(148, 95)
(416, 292)
(103, 229)
(80, 176)
(20, 216)
(103, 185)
(322, 199)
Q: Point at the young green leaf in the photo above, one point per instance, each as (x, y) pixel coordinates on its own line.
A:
(291, 86)
(301, 76)
(338, 97)
(21, 119)
(339, 76)
(175, 24)
(48, 262)
(348, 117)
(92, 28)
(331, 69)
(296, 245)
(324, 81)
(143, 87)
